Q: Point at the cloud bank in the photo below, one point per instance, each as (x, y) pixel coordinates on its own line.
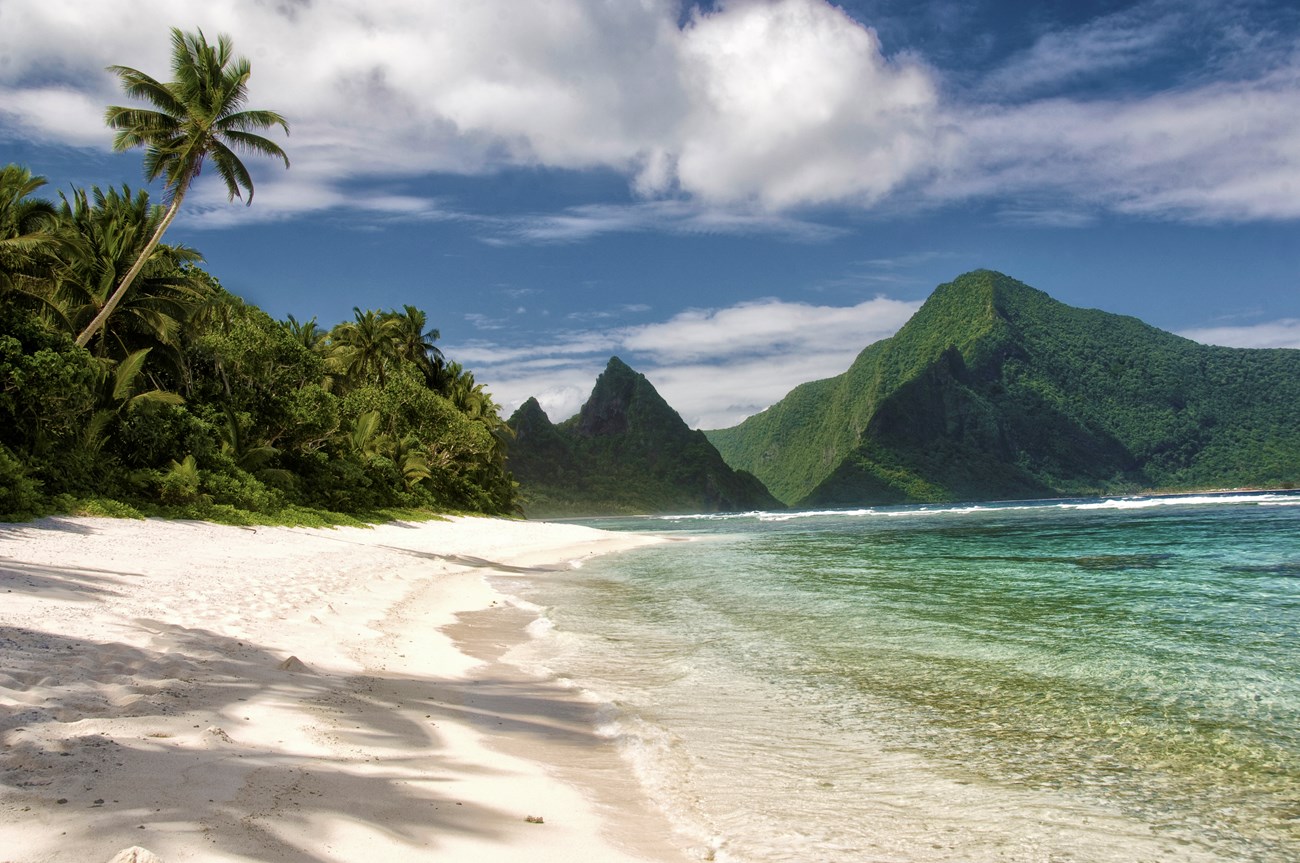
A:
(1284, 333)
(752, 107)
(714, 366)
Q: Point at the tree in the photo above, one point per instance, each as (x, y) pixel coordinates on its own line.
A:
(307, 333)
(414, 344)
(27, 230)
(199, 116)
(364, 347)
(470, 397)
(106, 231)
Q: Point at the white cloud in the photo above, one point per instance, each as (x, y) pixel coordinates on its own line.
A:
(792, 102)
(767, 327)
(1130, 37)
(55, 113)
(776, 103)
(671, 217)
(1221, 152)
(289, 195)
(715, 367)
(747, 110)
(1284, 333)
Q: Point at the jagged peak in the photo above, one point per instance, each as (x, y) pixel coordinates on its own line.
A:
(531, 410)
(607, 410)
(530, 418)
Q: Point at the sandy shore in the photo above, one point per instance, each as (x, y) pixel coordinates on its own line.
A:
(228, 694)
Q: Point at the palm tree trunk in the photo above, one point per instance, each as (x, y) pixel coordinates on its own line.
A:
(120, 291)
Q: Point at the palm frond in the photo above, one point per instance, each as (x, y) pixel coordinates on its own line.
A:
(126, 372)
(138, 85)
(160, 397)
(246, 120)
(232, 171)
(250, 143)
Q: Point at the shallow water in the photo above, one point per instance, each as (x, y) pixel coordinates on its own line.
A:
(1060, 681)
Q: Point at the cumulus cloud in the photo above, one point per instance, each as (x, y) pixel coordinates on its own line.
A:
(793, 102)
(744, 110)
(765, 104)
(1284, 333)
(715, 366)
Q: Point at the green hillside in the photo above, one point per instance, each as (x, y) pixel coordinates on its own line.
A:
(995, 390)
(626, 451)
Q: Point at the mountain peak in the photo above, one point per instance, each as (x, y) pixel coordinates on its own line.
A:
(529, 418)
(621, 393)
(996, 390)
(627, 451)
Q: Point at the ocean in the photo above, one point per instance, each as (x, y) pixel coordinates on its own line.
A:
(1067, 680)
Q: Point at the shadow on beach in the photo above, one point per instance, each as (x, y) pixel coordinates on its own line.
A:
(130, 771)
(63, 524)
(71, 583)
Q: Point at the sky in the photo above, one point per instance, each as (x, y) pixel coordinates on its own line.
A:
(734, 196)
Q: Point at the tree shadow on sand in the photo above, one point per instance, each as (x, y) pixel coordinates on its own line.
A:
(240, 797)
(73, 583)
(54, 522)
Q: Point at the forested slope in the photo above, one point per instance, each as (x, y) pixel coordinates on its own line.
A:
(626, 451)
(995, 390)
(189, 401)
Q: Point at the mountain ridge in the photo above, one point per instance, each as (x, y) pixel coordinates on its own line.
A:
(994, 389)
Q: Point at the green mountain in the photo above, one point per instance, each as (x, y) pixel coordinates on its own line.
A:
(626, 451)
(993, 390)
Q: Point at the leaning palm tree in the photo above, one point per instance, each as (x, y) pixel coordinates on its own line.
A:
(105, 231)
(199, 115)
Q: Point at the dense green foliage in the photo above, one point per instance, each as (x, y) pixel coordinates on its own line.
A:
(626, 451)
(200, 116)
(189, 401)
(995, 390)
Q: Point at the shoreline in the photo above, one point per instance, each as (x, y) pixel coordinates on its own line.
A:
(235, 694)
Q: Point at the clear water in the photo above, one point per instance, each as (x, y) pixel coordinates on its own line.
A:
(1059, 681)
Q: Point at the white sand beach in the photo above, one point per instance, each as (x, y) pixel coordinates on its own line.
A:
(233, 694)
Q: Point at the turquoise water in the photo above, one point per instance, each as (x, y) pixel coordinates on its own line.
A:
(1059, 681)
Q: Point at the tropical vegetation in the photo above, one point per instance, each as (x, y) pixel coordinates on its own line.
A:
(131, 382)
(626, 451)
(995, 390)
(199, 115)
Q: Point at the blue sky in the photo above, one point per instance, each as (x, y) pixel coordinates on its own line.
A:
(733, 196)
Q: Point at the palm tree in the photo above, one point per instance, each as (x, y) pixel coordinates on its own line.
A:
(199, 115)
(306, 333)
(470, 397)
(102, 241)
(121, 393)
(415, 345)
(363, 348)
(28, 230)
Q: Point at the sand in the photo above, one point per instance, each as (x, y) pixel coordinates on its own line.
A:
(228, 694)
